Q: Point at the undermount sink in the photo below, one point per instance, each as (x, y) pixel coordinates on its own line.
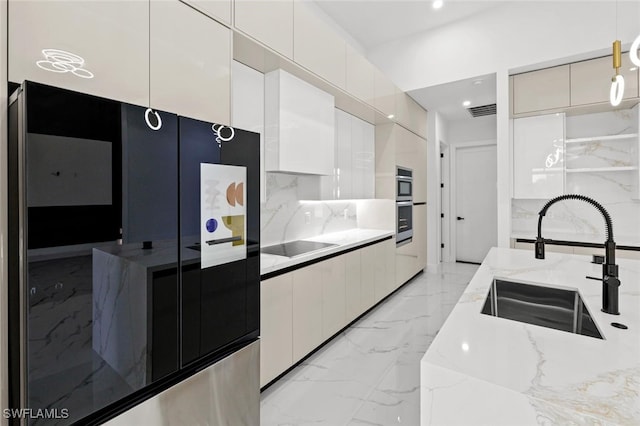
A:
(549, 307)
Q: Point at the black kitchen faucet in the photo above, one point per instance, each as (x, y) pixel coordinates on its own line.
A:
(610, 281)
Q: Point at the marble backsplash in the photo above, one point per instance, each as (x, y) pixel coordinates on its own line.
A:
(283, 217)
(577, 221)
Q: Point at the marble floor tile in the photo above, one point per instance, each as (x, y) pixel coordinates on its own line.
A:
(370, 373)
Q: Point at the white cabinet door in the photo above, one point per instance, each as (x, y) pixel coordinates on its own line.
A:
(307, 310)
(406, 259)
(334, 311)
(360, 76)
(190, 63)
(538, 159)
(105, 44)
(218, 9)
(276, 326)
(585, 74)
(420, 236)
(247, 111)
(354, 174)
(317, 47)
(299, 126)
(419, 149)
(540, 90)
(384, 94)
(343, 176)
(367, 159)
(367, 277)
(353, 285)
(268, 21)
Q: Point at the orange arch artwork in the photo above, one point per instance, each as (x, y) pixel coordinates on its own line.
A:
(235, 194)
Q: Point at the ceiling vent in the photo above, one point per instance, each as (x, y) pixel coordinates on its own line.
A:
(482, 110)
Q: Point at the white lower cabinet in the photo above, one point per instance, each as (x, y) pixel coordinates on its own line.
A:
(300, 310)
(333, 296)
(354, 303)
(307, 310)
(276, 326)
(367, 277)
(384, 269)
(406, 257)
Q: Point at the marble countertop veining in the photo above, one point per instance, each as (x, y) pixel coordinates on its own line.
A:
(344, 240)
(487, 370)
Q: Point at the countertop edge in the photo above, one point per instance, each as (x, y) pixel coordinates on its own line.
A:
(291, 264)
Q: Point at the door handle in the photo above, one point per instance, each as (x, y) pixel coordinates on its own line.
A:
(460, 218)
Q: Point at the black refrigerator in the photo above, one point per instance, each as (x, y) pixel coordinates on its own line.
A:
(134, 253)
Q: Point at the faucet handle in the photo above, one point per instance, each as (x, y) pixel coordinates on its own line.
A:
(539, 248)
(610, 270)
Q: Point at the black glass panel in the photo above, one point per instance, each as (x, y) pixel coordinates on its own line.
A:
(217, 297)
(102, 278)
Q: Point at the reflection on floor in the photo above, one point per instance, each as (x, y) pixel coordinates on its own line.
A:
(370, 373)
(64, 371)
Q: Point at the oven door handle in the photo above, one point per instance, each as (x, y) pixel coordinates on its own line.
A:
(404, 203)
(404, 178)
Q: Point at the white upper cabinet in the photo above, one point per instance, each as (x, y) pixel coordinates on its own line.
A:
(317, 47)
(385, 94)
(99, 48)
(190, 63)
(538, 163)
(541, 90)
(360, 76)
(299, 126)
(410, 114)
(354, 173)
(247, 88)
(591, 80)
(217, 9)
(268, 21)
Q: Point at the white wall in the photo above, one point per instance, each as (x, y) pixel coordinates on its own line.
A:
(471, 130)
(512, 36)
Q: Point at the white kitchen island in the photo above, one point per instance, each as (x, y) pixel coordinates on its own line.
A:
(485, 370)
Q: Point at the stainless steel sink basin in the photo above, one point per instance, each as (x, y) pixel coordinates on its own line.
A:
(549, 307)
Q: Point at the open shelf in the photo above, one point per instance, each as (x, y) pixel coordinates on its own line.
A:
(602, 138)
(602, 169)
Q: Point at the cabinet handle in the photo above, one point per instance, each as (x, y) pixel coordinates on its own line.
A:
(460, 218)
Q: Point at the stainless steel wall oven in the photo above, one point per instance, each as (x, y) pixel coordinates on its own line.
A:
(404, 205)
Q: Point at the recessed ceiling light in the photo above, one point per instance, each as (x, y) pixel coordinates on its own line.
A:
(466, 103)
(477, 82)
(633, 69)
(390, 116)
(437, 4)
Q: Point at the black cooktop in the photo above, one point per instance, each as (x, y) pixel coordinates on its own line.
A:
(295, 248)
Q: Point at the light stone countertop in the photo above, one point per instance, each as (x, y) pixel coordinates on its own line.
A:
(493, 371)
(345, 240)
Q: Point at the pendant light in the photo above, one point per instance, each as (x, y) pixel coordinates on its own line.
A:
(616, 92)
(617, 81)
(150, 111)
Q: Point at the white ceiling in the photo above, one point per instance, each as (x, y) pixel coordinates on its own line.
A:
(375, 22)
(447, 98)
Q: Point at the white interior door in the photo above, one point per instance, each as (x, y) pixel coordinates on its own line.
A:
(476, 202)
